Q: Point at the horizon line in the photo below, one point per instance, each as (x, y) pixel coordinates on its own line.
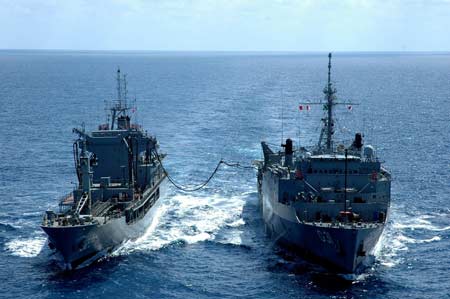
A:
(232, 51)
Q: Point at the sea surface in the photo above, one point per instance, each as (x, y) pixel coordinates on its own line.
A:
(203, 107)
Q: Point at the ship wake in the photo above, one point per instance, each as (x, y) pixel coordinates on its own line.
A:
(407, 231)
(25, 247)
(190, 219)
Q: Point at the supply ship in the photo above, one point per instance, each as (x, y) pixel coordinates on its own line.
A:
(120, 184)
(328, 202)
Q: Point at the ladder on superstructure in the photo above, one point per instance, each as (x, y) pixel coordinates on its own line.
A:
(81, 203)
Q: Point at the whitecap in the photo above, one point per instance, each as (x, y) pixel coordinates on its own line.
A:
(420, 241)
(25, 247)
(419, 222)
(196, 238)
(395, 238)
(354, 278)
(237, 223)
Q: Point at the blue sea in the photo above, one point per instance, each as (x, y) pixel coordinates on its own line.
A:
(203, 107)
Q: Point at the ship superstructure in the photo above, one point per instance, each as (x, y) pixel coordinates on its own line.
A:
(329, 201)
(120, 183)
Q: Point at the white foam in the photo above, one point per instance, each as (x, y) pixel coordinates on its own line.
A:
(190, 219)
(26, 247)
(388, 247)
(237, 223)
(419, 222)
(406, 240)
(37, 213)
(355, 278)
(395, 239)
(131, 245)
(421, 226)
(196, 238)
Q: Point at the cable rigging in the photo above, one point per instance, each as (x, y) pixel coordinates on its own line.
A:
(202, 185)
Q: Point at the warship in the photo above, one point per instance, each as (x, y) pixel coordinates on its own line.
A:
(328, 202)
(120, 184)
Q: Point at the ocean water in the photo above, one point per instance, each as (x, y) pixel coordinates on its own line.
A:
(203, 107)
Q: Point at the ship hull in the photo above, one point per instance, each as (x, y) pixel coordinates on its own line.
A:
(81, 245)
(336, 248)
(345, 249)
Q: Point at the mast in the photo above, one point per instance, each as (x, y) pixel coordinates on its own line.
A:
(345, 180)
(125, 91)
(329, 94)
(327, 130)
(119, 88)
(120, 106)
(119, 99)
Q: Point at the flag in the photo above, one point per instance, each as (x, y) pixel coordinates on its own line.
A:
(307, 107)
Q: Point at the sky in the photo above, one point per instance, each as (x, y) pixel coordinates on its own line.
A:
(226, 25)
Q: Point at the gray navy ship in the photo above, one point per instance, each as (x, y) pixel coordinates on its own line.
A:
(121, 182)
(328, 202)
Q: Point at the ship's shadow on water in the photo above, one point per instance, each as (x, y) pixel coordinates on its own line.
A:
(322, 281)
(95, 272)
(61, 281)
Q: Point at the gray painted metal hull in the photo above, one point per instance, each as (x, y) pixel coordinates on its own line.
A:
(343, 249)
(83, 244)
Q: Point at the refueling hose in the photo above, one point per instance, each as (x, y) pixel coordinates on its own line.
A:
(200, 186)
